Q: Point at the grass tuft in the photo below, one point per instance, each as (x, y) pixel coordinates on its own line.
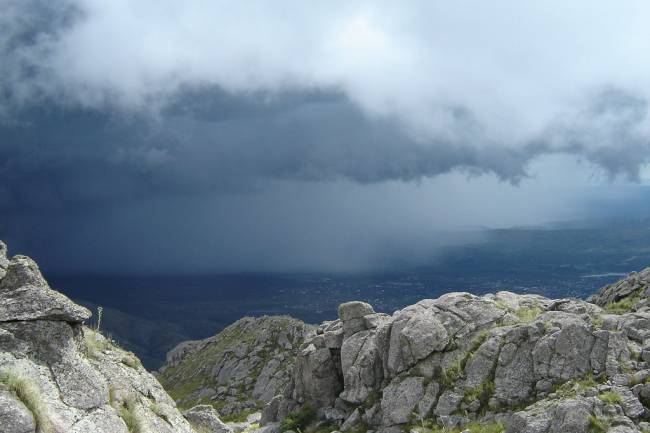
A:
(131, 360)
(610, 397)
(528, 314)
(624, 305)
(29, 394)
(128, 413)
(598, 425)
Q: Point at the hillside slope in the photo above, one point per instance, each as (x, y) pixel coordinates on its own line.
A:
(58, 376)
(240, 369)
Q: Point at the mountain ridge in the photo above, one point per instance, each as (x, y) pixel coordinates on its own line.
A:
(500, 362)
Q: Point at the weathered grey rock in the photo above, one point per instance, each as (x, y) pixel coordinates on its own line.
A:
(416, 332)
(26, 296)
(631, 405)
(400, 398)
(513, 381)
(101, 420)
(331, 414)
(448, 402)
(372, 321)
(4, 262)
(565, 416)
(354, 310)
(316, 377)
(270, 411)
(14, 416)
(54, 344)
(206, 418)
(351, 421)
(333, 339)
(428, 400)
(361, 366)
(636, 284)
(79, 381)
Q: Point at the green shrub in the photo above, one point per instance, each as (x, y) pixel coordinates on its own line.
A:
(624, 305)
(298, 419)
(452, 374)
(610, 397)
(598, 425)
(29, 394)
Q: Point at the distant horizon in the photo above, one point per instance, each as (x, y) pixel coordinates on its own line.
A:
(572, 224)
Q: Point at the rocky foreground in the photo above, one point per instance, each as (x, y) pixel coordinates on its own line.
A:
(58, 376)
(460, 363)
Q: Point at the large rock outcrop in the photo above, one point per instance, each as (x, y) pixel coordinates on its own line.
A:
(515, 363)
(238, 370)
(58, 376)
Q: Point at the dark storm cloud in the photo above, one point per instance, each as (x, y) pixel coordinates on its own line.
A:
(213, 141)
(53, 157)
(199, 97)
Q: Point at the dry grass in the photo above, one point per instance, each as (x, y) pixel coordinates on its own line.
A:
(29, 394)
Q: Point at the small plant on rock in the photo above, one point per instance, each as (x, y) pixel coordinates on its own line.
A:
(598, 425)
(128, 413)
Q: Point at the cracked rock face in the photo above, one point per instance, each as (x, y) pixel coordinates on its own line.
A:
(522, 362)
(58, 376)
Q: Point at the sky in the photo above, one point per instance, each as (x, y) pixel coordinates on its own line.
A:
(209, 136)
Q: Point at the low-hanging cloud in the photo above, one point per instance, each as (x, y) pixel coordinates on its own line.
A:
(472, 85)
